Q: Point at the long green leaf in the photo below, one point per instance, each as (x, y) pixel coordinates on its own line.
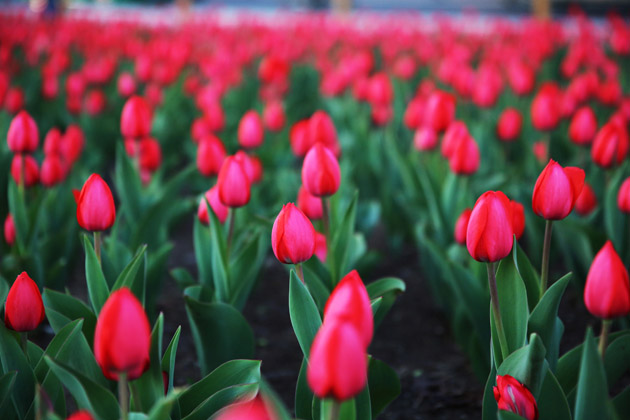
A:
(304, 315)
(591, 400)
(98, 291)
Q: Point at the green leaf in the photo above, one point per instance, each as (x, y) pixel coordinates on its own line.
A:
(128, 186)
(13, 359)
(62, 341)
(528, 274)
(223, 398)
(305, 317)
(384, 385)
(127, 277)
(96, 283)
(614, 220)
(4, 292)
(341, 240)
(201, 240)
(388, 289)
(508, 415)
(527, 364)
(621, 403)
(182, 277)
(88, 394)
(244, 270)
(71, 309)
(363, 405)
(229, 375)
(591, 400)
(150, 386)
(162, 409)
(347, 411)
(220, 332)
(168, 360)
(316, 286)
(489, 404)
(552, 403)
(17, 208)
(303, 395)
(542, 320)
(6, 385)
(616, 360)
(218, 252)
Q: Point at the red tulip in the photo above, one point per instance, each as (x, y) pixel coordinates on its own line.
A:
(199, 129)
(135, 121)
(53, 142)
(24, 309)
(610, 146)
(321, 248)
(214, 116)
(381, 114)
(81, 415)
(518, 218)
(95, 205)
(587, 201)
(511, 395)
(381, 91)
(425, 139)
(53, 171)
(75, 85)
(490, 228)
(9, 230)
(250, 130)
(14, 100)
(298, 136)
(349, 302)
(556, 191)
(50, 87)
(122, 337)
(540, 151)
(607, 290)
(95, 102)
(30, 171)
(455, 131)
(221, 211)
(210, 155)
(252, 166)
(338, 361)
(321, 129)
(414, 113)
(509, 125)
(439, 111)
(126, 85)
(233, 183)
(521, 77)
(255, 409)
(273, 116)
(623, 196)
(321, 175)
(23, 135)
(465, 158)
(545, 108)
(292, 236)
(461, 226)
(583, 126)
(309, 204)
(73, 144)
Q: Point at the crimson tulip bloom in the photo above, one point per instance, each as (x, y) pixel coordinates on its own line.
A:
(439, 110)
(292, 236)
(607, 290)
(210, 155)
(425, 139)
(53, 142)
(221, 211)
(461, 226)
(9, 230)
(149, 154)
(73, 144)
(321, 129)
(465, 158)
(234, 184)
(321, 247)
(310, 204)
(511, 395)
(490, 228)
(25, 166)
(274, 116)
(95, 205)
(135, 121)
(509, 125)
(349, 301)
(455, 131)
(81, 415)
(251, 132)
(583, 126)
(545, 108)
(540, 151)
(14, 100)
(298, 136)
(126, 85)
(587, 201)
(518, 218)
(53, 171)
(321, 175)
(623, 196)
(252, 166)
(23, 135)
(556, 191)
(610, 146)
(122, 337)
(255, 409)
(24, 308)
(337, 366)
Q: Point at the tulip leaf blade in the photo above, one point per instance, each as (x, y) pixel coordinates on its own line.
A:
(616, 360)
(339, 248)
(128, 186)
(161, 410)
(527, 364)
(592, 390)
(387, 289)
(17, 208)
(128, 277)
(303, 395)
(68, 308)
(621, 402)
(203, 245)
(489, 405)
(219, 258)
(220, 333)
(98, 291)
(384, 385)
(614, 220)
(6, 385)
(508, 415)
(168, 360)
(304, 314)
(552, 402)
(528, 274)
(244, 270)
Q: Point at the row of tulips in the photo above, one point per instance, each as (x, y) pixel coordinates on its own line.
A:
(368, 101)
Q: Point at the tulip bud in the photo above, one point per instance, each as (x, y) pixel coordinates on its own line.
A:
(250, 130)
(233, 183)
(310, 204)
(215, 117)
(321, 175)
(53, 142)
(150, 154)
(338, 361)
(95, 205)
(9, 230)
(587, 201)
(490, 228)
(509, 125)
(583, 126)
(252, 166)
(425, 139)
(545, 108)
(210, 155)
(414, 114)
(623, 196)
(292, 236)
(298, 136)
(607, 290)
(24, 309)
(540, 151)
(513, 396)
(81, 415)
(53, 171)
(349, 302)
(23, 135)
(273, 115)
(122, 337)
(255, 409)
(465, 158)
(95, 102)
(321, 129)
(135, 121)
(556, 191)
(25, 165)
(610, 146)
(321, 247)
(221, 211)
(73, 143)
(126, 85)
(521, 77)
(518, 218)
(455, 131)
(439, 111)
(461, 226)
(14, 100)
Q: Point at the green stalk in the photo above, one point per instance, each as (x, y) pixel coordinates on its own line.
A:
(544, 271)
(231, 230)
(98, 241)
(300, 272)
(603, 337)
(494, 299)
(123, 396)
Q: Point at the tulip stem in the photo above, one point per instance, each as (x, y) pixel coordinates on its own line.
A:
(300, 272)
(335, 408)
(24, 342)
(137, 402)
(22, 176)
(603, 337)
(98, 241)
(544, 271)
(494, 298)
(123, 396)
(326, 218)
(231, 230)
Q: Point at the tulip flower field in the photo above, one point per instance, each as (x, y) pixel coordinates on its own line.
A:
(285, 215)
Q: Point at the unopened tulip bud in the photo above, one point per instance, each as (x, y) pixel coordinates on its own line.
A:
(135, 121)
(490, 228)
(461, 226)
(583, 126)
(321, 175)
(509, 125)
(298, 136)
(95, 205)
(53, 171)
(511, 395)
(425, 139)
(234, 184)
(23, 135)
(251, 132)
(439, 111)
(587, 201)
(310, 204)
(252, 165)
(25, 165)
(221, 211)
(465, 158)
(545, 108)
(607, 290)
(292, 236)
(149, 154)
(53, 142)
(73, 144)
(518, 218)
(9, 230)
(610, 146)
(24, 309)
(81, 415)
(556, 191)
(623, 196)
(273, 116)
(321, 247)
(210, 155)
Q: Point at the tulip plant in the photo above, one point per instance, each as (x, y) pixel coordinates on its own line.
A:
(497, 152)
